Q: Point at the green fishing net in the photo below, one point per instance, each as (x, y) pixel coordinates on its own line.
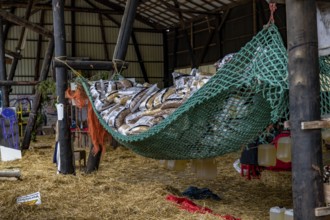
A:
(231, 110)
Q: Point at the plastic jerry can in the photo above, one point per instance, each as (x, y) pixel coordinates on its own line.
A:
(288, 214)
(205, 168)
(177, 165)
(276, 213)
(284, 149)
(266, 155)
(163, 163)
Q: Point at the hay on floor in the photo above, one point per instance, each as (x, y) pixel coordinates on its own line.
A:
(128, 186)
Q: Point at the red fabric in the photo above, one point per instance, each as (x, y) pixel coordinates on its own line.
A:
(251, 170)
(95, 130)
(280, 165)
(190, 206)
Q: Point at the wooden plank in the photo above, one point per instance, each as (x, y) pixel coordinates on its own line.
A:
(304, 94)
(20, 21)
(10, 173)
(322, 211)
(315, 124)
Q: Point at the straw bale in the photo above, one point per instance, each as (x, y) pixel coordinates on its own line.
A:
(128, 186)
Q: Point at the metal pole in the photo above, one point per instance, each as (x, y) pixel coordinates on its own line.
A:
(307, 186)
(66, 163)
(4, 89)
(125, 30)
(37, 97)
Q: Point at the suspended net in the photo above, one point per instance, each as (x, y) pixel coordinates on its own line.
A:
(248, 93)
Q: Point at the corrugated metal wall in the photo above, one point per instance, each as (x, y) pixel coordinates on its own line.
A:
(88, 44)
(236, 32)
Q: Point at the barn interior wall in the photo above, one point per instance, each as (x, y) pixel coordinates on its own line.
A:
(88, 43)
(237, 30)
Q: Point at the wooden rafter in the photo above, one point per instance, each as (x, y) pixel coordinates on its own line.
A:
(138, 16)
(23, 22)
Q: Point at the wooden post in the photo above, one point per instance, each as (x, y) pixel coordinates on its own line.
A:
(3, 75)
(66, 163)
(119, 54)
(37, 97)
(307, 185)
(125, 30)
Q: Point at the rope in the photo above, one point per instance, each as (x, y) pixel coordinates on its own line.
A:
(65, 63)
(117, 74)
(272, 8)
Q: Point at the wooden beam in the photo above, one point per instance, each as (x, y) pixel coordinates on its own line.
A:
(73, 30)
(17, 83)
(87, 64)
(210, 37)
(39, 47)
(304, 95)
(139, 57)
(13, 54)
(185, 33)
(193, 12)
(47, 7)
(322, 211)
(138, 16)
(37, 97)
(166, 70)
(305, 125)
(10, 173)
(104, 39)
(20, 44)
(125, 30)
(66, 162)
(22, 22)
(8, 25)
(3, 73)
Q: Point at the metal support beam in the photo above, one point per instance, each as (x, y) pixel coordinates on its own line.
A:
(3, 75)
(125, 30)
(307, 184)
(37, 97)
(66, 163)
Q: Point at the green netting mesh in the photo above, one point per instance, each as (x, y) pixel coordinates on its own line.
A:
(244, 96)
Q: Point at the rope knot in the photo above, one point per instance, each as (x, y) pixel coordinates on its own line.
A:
(272, 8)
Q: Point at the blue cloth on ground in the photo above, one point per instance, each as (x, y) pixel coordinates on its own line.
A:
(203, 193)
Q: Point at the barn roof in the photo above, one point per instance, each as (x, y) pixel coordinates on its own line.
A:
(158, 14)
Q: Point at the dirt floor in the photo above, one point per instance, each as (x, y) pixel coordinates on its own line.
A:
(128, 186)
